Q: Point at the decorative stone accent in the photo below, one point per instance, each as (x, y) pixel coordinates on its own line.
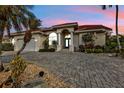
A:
(1, 66)
(33, 84)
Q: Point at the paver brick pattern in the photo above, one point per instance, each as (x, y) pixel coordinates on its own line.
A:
(82, 70)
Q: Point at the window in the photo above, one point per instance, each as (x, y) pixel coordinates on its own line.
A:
(52, 37)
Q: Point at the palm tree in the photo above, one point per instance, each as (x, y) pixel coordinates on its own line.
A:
(17, 17)
(33, 24)
(116, 23)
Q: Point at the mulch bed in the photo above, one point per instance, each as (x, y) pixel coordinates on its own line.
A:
(31, 73)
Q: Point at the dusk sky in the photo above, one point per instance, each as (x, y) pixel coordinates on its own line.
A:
(83, 14)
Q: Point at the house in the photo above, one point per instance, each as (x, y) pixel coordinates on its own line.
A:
(67, 35)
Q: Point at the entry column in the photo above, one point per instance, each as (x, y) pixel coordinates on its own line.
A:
(72, 42)
(59, 37)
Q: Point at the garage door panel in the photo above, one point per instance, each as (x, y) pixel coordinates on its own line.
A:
(29, 47)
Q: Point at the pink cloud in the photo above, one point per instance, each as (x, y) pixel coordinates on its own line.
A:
(90, 9)
(50, 22)
(120, 29)
(108, 20)
(110, 13)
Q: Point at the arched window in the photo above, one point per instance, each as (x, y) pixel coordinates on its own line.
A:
(68, 36)
(52, 37)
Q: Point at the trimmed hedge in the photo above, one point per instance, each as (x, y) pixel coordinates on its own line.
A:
(7, 47)
(94, 50)
(47, 50)
(98, 47)
(111, 50)
(91, 49)
(98, 51)
(122, 53)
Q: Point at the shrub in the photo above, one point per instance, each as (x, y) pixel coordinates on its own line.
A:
(87, 37)
(89, 46)
(89, 50)
(81, 48)
(98, 51)
(122, 53)
(113, 45)
(46, 44)
(122, 44)
(17, 67)
(108, 49)
(47, 50)
(94, 50)
(7, 47)
(54, 43)
(98, 47)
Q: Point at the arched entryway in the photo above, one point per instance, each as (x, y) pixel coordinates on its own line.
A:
(66, 39)
(52, 40)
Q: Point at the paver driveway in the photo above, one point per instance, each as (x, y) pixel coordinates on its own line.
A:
(82, 70)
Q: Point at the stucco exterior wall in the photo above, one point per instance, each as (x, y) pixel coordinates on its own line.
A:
(76, 42)
(80, 38)
(15, 42)
(41, 40)
(7, 40)
(70, 29)
(49, 32)
(99, 39)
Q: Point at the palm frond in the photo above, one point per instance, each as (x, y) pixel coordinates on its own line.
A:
(110, 6)
(103, 7)
(17, 17)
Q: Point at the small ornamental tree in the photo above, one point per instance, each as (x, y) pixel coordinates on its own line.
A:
(46, 44)
(87, 38)
(54, 43)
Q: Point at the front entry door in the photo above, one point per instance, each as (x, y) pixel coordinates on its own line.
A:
(67, 42)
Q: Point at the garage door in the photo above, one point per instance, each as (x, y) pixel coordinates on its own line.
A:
(29, 47)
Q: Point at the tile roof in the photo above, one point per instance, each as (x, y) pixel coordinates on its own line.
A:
(78, 28)
(89, 27)
(23, 32)
(64, 24)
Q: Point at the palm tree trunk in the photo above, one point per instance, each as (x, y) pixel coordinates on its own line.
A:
(118, 41)
(0, 46)
(1, 37)
(22, 48)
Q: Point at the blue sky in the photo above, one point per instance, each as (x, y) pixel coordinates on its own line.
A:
(83, 14)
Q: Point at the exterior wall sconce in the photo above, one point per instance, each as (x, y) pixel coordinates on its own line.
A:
(35, 40)
(13, 41)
